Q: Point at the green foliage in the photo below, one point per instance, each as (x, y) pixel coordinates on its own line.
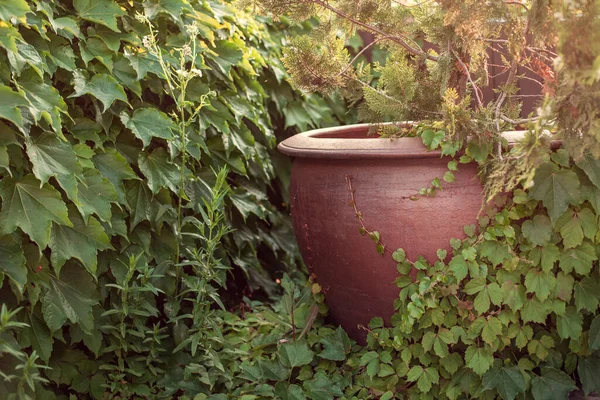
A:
(137, 169)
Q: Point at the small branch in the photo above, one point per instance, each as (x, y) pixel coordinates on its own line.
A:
(518, 121)
(468, 74)
(360, 53)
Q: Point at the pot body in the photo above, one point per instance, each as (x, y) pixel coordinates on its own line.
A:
(358, 282)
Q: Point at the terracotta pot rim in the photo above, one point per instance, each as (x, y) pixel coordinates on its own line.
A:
(330, 143)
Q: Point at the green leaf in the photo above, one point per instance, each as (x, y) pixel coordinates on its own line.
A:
(336, 346)
(100, 11)
(552, 384)
(322, 388)
(38, 336)
(580, 258)
(147, 123)
(491, 330)
(95, 195)
(295, 354)
(514, 295)
(32, 208)
(591, 167)
(569, 325)
(70, 297)
(508, 381)
(246, 203)
(564, 286)
(586, 295)
(46, 102)
(12, 261)
(159, 171)
(52, 157)
(495, 251)
(570, 229)
(534, 311)
(594, 334)
(432, 139)
(285, 391)
(555, 188)
(452, 362)
(113, 166)
(9, 103)
(13, 9)
(479, 359)
(550, 254)
(81, 241)
(458, 266)
(415, 373)
(538, 230)
(139, 200)
(103, 87)
(539, 282)
(588, 368)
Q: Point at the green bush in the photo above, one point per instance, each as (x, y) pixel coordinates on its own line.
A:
(127, 197)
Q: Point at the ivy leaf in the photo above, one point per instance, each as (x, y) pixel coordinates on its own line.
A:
(569, 325)
(147, 123)
(432, 139)
(495, 251)
(508, 381)
(113, 166)
(586, 295)
(32, 208)
(100, 11)
(588, 368)
(580, 258)
(452, 362)
(534, 311)
(52, 157)
(285, 391)
(322, 388)
(95, 195)
(46, 102)
(479, 359)
(539, 282)
(550, 254)
(12, 261)
(538, 230)
(564, 286)
(555, 188)
(491, 330)
(9, 103)
(13, 9)
(38, 336)
(295, 354)
(139, 199)
(159, 171)
(103, 87)
(336, 346)
(570, 229)
(591, 167)
(552, 384)
(594, 334)
(81, 241)
(514, 295)
(70, 297)
(458, 266)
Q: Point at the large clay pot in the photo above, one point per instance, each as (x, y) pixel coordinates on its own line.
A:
(357, 281)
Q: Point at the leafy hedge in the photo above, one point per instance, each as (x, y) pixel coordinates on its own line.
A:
(103, 191)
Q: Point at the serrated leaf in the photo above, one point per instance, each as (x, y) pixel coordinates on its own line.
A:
(594, 334)
(569, 325)
(147, 123)
(539, 282)
(508, 381)
(322, 388)
(103, 12)
(552, 384)
(285, 391)
(138, 198)
(159, 171)
(514, 295)
(45, 102)
(588, 368)
(13, 9)
(52, 157)
(10, 102)
(491, 330)
(103, 87)
(70, 298)
(495, 251)
(555, 188)
(336, 346)
(81, 241)
(95, 195)
(580, 258)
(570, 229)
(534, 311)
(38, 336)
(479, 359)
(295, 354)
(12, 261)
(538, 230)
(32, 208)
(586, 295)
(458, 266)
(591, 167)
(113, 166)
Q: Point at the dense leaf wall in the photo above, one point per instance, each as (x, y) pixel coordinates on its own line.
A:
(90, 165)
